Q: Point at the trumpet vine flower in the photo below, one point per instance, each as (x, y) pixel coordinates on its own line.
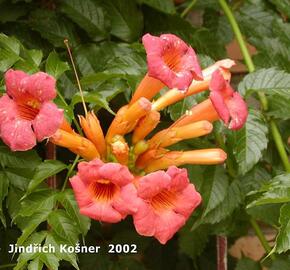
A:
(104, 191)
(27, 113)
(171, 62)
(167, 199)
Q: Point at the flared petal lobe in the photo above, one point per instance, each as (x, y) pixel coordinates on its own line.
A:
(27, 104)
(171, 61)
(105, 192)
(167, 199)
(229, 105)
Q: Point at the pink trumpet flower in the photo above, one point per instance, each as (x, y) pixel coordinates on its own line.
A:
(229, 104)
(104, 191)
(167, 199)
(171, 60)
(27, 114)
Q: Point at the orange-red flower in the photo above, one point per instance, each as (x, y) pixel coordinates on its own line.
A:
(167, 199)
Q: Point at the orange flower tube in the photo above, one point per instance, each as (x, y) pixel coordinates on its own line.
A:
(145, 126)
(93, 131)
(175, 95)
(174, 135)
(178, 158)
(75, 143)
(127, 117)
(66, 126)
(120, 149)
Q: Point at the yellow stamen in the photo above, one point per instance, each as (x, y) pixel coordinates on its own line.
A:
(174, 135)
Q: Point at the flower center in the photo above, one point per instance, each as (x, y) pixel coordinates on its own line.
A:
(172, 59)
(164, 200)
(28, 109)
(103, 190)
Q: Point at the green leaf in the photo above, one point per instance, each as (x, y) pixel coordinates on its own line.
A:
(54, 66)
(19, 177)
(44, 170)
(39, 201)
(192, 243)
(270, 81)
(275, 191)
(166, 6)
(10, 12)
(30, 60)
(279, 106)
(214, 189)
(126, 19)
(62, 225)
(28, 159)
(247, 264)
(53, 240)
(53, 27)
(283, 238)
(282, 6)
(250, 141)
(10, 44)
(36, 264)
(89, 15)
(67, 199)
(268, 213)
(281, 264)
(7, 59)
(29, 224)
(50, 260)
(3, 193)
(232, 200)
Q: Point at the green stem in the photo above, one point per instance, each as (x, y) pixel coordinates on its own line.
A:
(69, 172)
(251, 67)
(262, 238)
(279, 145)
(188, 8)
(74, 120)
(7, 265)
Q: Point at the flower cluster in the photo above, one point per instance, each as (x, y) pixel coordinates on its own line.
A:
(127, 170)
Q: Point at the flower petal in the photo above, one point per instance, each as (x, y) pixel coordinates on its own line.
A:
(220, 85)
(238, 111)
(127, 201)
(48, 120)
(144, 219)
(40, 85)
(18, 134)
(102, 212)
(219, 104)
(8, 109)
(13, 79)
(152, 184)
(187, 201)
(116, 173)
(179, 178)
(82, 195)
(167, 224)
(89, 171)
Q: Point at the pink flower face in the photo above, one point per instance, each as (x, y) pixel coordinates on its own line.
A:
(27, 114)
(171, 61)
(230, 106)
(104, 191)
(167, 201)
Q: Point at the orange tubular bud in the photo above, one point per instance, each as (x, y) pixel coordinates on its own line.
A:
(178, 158)
(145, 126)
(77, 144)
(174, 135)
(147, 88)
(202, 111)
(93, 131)
(66, 126)
(149, 156)
(120, 149)
(175, 95)
(127, 118)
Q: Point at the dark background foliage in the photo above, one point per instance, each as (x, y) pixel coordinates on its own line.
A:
(105, 39)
